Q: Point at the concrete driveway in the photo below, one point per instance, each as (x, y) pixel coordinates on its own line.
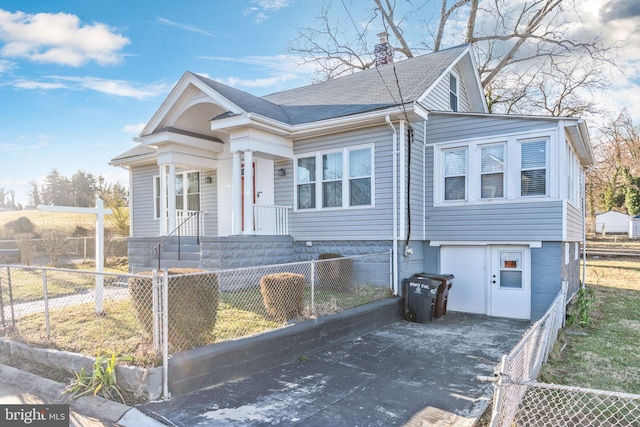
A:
(405, 374)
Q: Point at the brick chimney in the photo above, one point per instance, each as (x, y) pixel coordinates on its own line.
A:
(383, 50)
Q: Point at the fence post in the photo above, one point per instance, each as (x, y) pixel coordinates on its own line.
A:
(46, 303)
(313, 287)
(13, 314)
(498, 393)
(1, 306)
(155, 310)
(165, 334)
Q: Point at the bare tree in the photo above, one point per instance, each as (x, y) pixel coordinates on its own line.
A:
(615, 178)
(514, 42)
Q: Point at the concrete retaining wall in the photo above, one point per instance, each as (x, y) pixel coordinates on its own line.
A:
(215, 364)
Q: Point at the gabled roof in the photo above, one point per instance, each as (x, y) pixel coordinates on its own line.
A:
(403, 82)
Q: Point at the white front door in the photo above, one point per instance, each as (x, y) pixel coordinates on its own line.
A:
(510, 282)
(469, 290)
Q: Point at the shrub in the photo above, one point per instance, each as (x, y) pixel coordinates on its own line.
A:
(193, 306)
(282, 295)
(334, 271)
(22, 225)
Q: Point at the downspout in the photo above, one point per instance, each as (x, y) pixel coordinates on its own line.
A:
(424, 181)
(403, 181)
(394, 221)
(584, 228)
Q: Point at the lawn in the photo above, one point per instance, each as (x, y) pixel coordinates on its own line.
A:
(603, 353)
(60, 221)
(78, 329)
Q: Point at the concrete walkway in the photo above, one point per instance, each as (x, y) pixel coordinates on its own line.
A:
(406, 374)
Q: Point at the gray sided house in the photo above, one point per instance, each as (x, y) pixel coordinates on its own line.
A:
(402, 158)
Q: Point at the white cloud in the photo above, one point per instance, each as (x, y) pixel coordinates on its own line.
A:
(134, 129)
(187, 27)
(260, 12)
(264, 82)
(111, 87)
(279, 69)
(58, 38)
(31, 84)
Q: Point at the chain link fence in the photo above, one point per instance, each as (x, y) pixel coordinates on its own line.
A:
(154, 314)
(521, 401)
(56, 248)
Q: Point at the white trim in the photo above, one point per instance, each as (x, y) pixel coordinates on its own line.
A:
(318, 156)
(531, 244)
(512, 171)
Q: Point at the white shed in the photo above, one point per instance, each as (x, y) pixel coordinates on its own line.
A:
(634, 227)
(612, 222)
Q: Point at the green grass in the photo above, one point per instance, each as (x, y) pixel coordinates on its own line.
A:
(78, 329)
(603, 354)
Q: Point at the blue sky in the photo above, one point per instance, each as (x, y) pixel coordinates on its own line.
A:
(79, 86)
(79, 79)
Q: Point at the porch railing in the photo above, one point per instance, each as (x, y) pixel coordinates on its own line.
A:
(271, 220)
(191, 222)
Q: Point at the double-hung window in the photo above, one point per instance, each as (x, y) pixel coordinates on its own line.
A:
(455, 174)
(533, 170)
(492, 171)
(345, 179)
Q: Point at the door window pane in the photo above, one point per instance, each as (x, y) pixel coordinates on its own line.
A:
(511, 270)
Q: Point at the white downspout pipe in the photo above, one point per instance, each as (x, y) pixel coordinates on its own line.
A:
(394, 234)
(424, 180)
(584, 228)
(403, 181)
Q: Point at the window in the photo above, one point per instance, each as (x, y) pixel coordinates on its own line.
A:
(453, 92)
(455, 174)
(187, 192)
(533, 175)
(332, 180)
(511, 270)
(360, 177)
(306, 183)
(492, 172)
(345, 179)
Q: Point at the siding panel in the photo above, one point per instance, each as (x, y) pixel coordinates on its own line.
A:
(143, 220)
(357, 223)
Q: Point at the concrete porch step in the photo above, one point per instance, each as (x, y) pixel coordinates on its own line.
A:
(184, 248)
(183, 255)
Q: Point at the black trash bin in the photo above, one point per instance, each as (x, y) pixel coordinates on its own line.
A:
(445, 281)
(419, 298)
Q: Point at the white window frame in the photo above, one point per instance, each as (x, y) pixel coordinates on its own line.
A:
(504, 169)
(346, 178)
(521, 142)
(185, 186)
(512, 169)
(466, 174)
(454, 93)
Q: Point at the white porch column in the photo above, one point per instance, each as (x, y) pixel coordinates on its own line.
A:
(171, 204)
(248, 193)
(163, 199)
(236, 195)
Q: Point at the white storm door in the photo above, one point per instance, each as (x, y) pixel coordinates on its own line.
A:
(469, 290)
(510, 290)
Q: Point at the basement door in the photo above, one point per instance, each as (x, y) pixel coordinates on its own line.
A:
(469, 291)
(510, 282)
